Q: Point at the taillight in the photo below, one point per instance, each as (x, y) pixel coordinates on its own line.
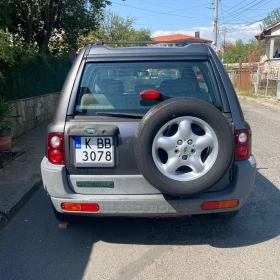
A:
(242, 144)
(56, 148)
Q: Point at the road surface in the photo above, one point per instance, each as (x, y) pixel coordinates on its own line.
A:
(247, 247)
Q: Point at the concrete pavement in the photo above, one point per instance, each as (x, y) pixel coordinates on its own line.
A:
(22, 176)
(247, 247)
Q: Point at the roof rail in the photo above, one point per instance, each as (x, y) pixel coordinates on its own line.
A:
(136, 42)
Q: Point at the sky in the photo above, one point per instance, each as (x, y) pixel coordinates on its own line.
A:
(242, 19)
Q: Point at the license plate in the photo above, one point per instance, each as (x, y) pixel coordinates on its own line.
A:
(94, 151)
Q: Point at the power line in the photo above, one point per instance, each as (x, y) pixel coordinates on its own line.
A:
(236, 5)
(157, 12)
(177, 10)
(235, 11)
(239, 18)
(233, 29)
(234, 14)
(234, 22)
(153, 4)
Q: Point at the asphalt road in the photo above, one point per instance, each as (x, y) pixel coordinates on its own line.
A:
(247, 247)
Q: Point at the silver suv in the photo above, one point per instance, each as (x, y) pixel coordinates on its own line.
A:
(124, 144)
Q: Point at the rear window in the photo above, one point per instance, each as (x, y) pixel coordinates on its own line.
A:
(117, 86)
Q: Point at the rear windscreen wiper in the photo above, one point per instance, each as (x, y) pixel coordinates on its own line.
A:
(121, 115)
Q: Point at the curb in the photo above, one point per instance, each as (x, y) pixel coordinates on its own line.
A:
(6, 216)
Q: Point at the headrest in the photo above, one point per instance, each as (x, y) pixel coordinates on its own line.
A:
(140, 87)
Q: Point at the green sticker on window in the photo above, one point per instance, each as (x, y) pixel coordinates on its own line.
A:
(100, 184)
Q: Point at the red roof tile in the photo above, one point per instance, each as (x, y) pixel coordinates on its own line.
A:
(178, 37)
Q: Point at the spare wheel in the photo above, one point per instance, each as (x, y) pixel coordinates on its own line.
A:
(184, 146)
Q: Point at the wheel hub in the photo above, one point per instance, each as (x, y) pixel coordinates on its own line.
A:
(185, 149)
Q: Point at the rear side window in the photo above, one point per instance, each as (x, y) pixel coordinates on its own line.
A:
(117, 86)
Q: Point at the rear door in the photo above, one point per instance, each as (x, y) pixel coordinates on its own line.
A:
(108, 108)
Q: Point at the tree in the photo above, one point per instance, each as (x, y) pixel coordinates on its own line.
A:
(272, 18)
(37, 21)
(253, 50)
(113, 27)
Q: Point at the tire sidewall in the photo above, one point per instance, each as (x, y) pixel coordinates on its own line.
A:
(163, 113)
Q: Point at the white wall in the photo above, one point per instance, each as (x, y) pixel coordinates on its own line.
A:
(275, 30)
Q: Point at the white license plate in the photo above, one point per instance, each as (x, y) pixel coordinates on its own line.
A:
(94, 151)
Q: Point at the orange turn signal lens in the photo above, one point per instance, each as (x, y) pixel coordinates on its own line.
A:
(80, 207)
(208, 205)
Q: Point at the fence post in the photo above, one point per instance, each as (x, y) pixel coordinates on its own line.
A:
(250, 73)
(239, 73)
(278, 86)
(267, 76)
(258, 80)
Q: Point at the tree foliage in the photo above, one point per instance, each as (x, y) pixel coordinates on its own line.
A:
(12, 53)
(271, 18)
(42, 22)
(113, 27)
(253, 50)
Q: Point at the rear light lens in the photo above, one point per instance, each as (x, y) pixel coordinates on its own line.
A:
(80, 207)
(149, 94)
(242, 144)
(56, 148)
(56, 155)
(55, 141)
(208, 205)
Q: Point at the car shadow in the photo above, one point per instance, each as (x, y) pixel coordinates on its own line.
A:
(258, 221)
(32, 246)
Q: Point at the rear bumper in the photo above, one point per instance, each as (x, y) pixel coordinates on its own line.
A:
(152, 205)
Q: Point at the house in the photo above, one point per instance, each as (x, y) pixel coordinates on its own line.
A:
(271, 35)
(179, 40)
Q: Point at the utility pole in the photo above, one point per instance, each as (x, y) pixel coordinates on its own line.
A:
(215, 31)
(224, 42)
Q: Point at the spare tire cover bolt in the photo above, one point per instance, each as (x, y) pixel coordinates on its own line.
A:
(190, 141)
(184, 157)
(179, 142)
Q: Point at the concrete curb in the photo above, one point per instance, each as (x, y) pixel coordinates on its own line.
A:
(17, 203)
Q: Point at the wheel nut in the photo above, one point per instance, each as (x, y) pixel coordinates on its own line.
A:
(184, 157)
(179, 142)
(190, 141)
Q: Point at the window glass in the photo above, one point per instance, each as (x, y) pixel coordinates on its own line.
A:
(117, 86)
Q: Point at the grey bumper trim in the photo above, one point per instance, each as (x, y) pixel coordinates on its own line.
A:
(153, 204)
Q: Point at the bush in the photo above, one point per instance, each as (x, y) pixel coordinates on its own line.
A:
(26, 73)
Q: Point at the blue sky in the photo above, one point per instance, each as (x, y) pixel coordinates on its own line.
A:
(242, 18)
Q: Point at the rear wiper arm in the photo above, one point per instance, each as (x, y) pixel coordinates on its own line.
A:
(121, 115)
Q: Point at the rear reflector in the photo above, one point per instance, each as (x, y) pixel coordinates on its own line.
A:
(80, 207)
(208, 205)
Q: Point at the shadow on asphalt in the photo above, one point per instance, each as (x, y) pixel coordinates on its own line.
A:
(33, 247)
(258, 221)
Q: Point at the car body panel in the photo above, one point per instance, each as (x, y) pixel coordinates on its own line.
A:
(130, 187)
(56, 184)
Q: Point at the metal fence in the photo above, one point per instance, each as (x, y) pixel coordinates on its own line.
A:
(45, 75)
(257, 78)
